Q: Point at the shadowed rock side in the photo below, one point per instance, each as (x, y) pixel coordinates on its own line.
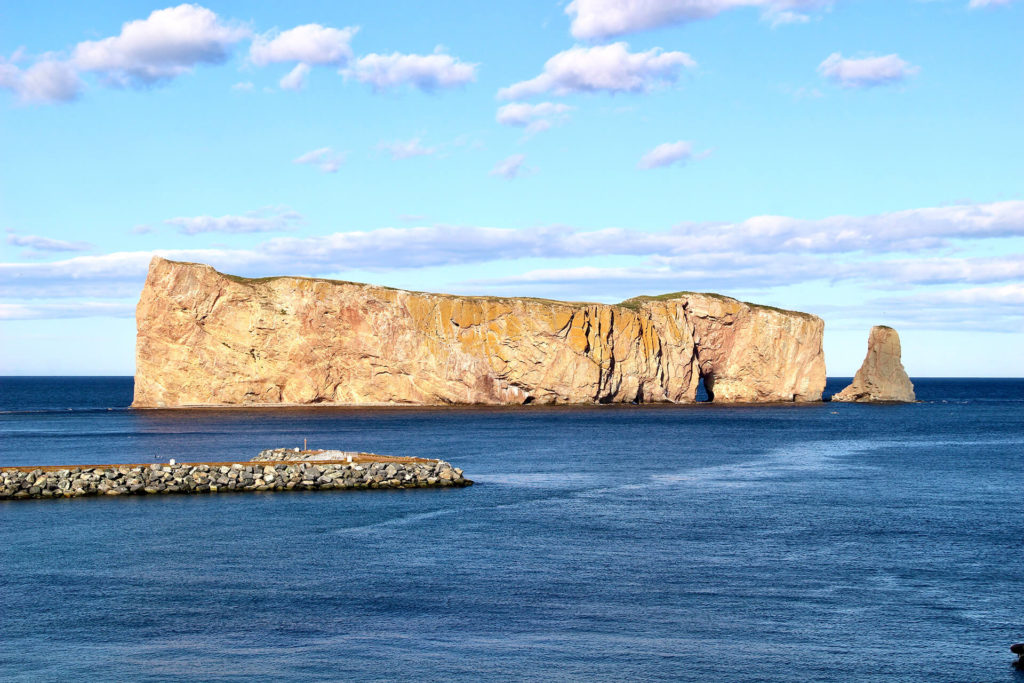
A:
(881, 377)
(205, 338)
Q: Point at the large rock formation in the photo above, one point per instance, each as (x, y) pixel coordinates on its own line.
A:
(881, 377)
(209, 339)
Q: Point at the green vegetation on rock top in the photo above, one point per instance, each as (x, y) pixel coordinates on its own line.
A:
(634, 304)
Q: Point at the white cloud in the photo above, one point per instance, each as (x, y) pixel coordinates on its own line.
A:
(1010, 295)
(47, 81)
(81, 309)
(38, 243)
(756, 254)
(534, 117)
(975, 4)
(406, 149)
(784, 17)
(509, 167)
(610, 68)
(732, 270)
(666, 154)
(263, 220)
(596, 19)
(325, 158)
(169, 43)
(426, 72)
(296, 78)
(866, 72)
(244, 86)
(310, 43)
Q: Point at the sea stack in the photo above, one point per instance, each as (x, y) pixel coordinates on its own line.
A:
(881, 377)
(210, 339)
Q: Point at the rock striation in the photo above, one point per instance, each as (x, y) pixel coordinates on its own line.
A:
(19, 483)
(881, 377)
(210, 339)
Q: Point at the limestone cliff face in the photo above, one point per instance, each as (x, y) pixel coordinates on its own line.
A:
(205, 338)
(881, 377)
(755, 353)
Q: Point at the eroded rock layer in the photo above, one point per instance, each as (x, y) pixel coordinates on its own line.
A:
(209, 339)
(881, 376)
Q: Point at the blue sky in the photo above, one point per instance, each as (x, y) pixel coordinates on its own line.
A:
(861, 160)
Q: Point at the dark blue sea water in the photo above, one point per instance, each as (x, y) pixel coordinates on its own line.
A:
(699, 543)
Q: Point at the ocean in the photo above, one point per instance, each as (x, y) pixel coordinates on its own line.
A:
(824, 542)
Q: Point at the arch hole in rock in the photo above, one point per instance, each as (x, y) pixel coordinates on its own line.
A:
(705, 391)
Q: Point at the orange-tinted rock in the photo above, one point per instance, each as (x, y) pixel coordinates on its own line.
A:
(205, 338)
(881, 377)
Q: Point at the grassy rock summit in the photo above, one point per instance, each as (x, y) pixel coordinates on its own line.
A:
(210, 339)
(881, 377)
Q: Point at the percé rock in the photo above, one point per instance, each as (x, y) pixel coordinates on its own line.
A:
(210, 339)
(881, 377)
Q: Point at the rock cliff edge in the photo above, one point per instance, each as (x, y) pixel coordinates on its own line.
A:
(210, 339)
(881, 377)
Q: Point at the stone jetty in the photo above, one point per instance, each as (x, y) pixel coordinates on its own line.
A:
(362, 471)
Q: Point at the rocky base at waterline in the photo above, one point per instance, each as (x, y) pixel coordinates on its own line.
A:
(126, 480)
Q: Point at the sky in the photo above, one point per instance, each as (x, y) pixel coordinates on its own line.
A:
(861, 160)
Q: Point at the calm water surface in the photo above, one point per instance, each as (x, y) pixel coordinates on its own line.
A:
(695, 543)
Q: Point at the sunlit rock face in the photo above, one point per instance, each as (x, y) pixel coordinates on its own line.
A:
(209, 339)
(881, 377)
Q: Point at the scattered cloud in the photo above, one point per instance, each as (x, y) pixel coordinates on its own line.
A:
(325, 158)
(509, 167)
(609, 68)
(757, 254)
(739, 271)
(785, 17)
(426, 72)
(533, 117)
(47, 81)
(1010, 295)
(169, 43)
(976, 4)
(263, 220)
(599, 19)
(244, 86)
(406, 149)
(866, 72)
(803, 93)
(666, 154)
(37, 243)
(296, 78)
(79, 309)
(309, 44)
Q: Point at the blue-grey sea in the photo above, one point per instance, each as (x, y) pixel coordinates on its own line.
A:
(825, 542)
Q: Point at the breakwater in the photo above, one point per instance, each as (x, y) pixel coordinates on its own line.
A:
(17, 483)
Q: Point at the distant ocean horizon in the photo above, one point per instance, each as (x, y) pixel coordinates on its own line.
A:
(777, 542)
(28, 392)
